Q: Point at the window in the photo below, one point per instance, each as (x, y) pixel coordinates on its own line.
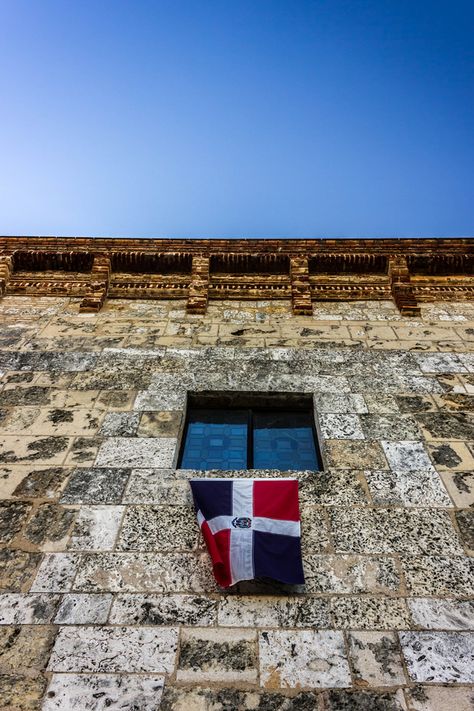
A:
(277, 437)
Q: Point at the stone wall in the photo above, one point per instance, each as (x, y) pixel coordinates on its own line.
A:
(107, 596)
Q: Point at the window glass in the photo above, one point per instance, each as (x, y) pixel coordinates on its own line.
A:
(249, 439)
(283, 440)
(216, 439)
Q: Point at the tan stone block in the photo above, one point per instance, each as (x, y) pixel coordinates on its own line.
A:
(352, 454)
(160, 424)
(21, 693)
(42, 450)
(450, 456)
(424, 333)
(25, 649)
(375, 333)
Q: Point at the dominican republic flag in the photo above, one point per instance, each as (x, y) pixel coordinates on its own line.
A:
(251, 528)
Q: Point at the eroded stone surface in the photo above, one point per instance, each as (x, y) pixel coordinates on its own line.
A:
(21, 693)
(164, 610)
(145, 572)
(83, 609)
(49, 526)
(13, 515)
(302, 658)
(148, 528)
(114, 649)
(96, 528)
(350, 574)
(262, 611)
(406, 456)
(120, 424)
(376, 658)
(363, 701)
(414, 532)
(423, 488)
(19, 609)
(137, 452)
(438, 575)
(465, 522)
(433, 614)
(228, 699)
(218, 655)
(95, 486)
(376, 613)
(439, 656)
(97, 692)
(56, 573)
(17, 568)
(26, 648)
(437, 698)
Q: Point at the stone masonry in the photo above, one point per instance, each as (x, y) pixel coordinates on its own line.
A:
(107, 599)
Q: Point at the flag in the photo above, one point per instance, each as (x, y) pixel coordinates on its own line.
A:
(251, 528)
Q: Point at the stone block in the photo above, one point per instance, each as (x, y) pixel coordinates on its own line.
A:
(422, 489)
(164, 610)
(55, 573)
(24, 609)
(406, 456)
(222, 655)
(340, 427)
(440, 657)
(83, 609)
(432, 614)
(114, 649)
(265, 611)
(439, 575)
(95, 486)
(370, 613)
(140, 452)
(375, 658)
(303, 658)
(350, 574)
(17, 569)
(148, 528)
(96, 528)
(80, 692)
(409, 531)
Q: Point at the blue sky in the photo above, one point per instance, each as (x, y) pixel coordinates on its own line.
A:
(266, 118)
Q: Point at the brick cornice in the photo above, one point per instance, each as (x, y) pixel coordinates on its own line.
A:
(407, 270)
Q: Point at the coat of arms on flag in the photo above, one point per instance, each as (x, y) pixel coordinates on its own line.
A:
(251, 528)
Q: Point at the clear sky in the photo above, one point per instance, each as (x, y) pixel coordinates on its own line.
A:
(237, 118)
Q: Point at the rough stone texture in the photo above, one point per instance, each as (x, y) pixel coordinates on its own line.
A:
(439, 656)
(218, 655)
(376, 659)
(113, 649)
(432, 614)
(100, 555)
(303, 658)
(77, 692)
(95, 486)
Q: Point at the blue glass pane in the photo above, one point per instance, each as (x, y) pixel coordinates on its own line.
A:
(284, 440)
(216, 439)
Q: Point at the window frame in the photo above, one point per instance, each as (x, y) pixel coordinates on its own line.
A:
(210, 401)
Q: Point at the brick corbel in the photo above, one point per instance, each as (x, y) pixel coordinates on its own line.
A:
(198, 294)
(5, 272)
(401, 287)
(300, 288)
(98, 286)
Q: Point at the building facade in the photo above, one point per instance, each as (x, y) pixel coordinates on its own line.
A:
(107, 595)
